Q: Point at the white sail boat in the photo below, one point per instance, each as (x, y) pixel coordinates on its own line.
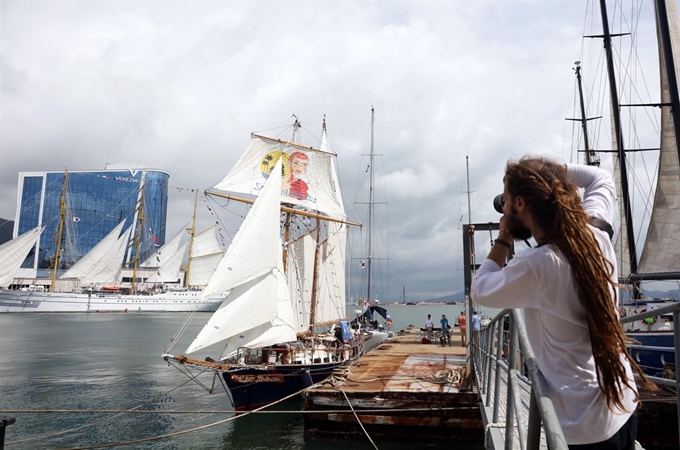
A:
(13, 253)
(92, 284)
(284, 274)
(660, 256)
(375, 332)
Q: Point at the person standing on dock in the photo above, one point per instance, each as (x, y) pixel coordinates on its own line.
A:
(462, 324)
(429, 325)
(566, 286)
(446, 335)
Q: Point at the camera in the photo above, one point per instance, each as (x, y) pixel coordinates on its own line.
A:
(498, 203)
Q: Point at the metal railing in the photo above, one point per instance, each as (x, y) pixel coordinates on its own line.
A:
(675, 310)
(506, 370)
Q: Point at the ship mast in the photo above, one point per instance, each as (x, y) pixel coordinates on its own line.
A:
(616, 113)
(370, 209)
(592, 158)
(192, 234)
(138, 235)
(60, 230)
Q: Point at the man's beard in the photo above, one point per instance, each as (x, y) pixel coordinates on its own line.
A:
(516, 228)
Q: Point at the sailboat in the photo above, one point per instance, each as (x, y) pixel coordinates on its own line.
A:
(92, 284)
(375, 333)
(660, 256)
(285, 277)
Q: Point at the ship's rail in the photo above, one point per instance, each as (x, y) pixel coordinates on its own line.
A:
(512, 389)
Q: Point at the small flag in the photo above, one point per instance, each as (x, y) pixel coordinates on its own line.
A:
(388, 318)
(76, 219)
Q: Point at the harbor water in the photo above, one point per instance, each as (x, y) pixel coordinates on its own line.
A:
(109, 364)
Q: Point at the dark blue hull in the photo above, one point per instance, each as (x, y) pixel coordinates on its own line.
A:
(252, 386)
(653, 361)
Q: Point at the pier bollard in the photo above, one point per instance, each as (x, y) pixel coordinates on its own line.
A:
(4, 421)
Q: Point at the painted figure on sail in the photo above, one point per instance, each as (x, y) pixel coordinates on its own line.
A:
(293, 185)
(294, 168)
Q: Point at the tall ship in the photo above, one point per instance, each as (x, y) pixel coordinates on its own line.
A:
(283, 324)
(110, 277)
(649, 214)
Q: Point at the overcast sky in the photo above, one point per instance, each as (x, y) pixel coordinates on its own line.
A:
(180, 85)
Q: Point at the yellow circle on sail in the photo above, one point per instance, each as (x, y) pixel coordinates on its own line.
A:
(269, 161)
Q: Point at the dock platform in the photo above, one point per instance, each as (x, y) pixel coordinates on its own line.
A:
(401, 389)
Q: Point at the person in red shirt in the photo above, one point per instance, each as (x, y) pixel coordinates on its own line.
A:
(462, 324)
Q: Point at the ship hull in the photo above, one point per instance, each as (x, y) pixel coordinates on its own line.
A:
(660, 351)
(253, 387)
(14, 301)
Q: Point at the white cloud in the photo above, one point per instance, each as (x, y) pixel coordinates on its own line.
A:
(180, 86)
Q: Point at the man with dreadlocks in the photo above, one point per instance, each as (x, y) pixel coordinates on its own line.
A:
(567, 288)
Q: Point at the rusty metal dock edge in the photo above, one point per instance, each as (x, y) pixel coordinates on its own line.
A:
(403, 390)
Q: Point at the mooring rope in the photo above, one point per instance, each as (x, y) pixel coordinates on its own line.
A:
(82, 427)
(357, 417)
(178, 433)
(217, 411)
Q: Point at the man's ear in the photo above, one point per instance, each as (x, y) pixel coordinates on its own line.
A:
(520, 204)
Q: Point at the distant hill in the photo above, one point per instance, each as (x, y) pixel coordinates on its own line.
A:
(6, 229)
(457, 297)
(460, 296)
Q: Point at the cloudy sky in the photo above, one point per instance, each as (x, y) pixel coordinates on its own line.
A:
(180, 85)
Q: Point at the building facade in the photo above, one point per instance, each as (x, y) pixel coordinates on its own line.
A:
(94, 203)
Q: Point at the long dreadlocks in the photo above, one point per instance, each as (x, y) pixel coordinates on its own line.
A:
(555, 206)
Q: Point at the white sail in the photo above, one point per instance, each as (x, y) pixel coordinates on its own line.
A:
(163, 254)
(207, 254)
(300, 275)
(621, 243)
(13, 253)
(103, 263)
(306, 181)
(330, 302)
(661, 252)
(280, 329)
(248, 271)
(169, 271)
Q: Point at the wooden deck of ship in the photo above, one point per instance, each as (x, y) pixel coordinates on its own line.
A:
(403, 389)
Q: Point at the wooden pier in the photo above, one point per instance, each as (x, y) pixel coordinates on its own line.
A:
(403, 389)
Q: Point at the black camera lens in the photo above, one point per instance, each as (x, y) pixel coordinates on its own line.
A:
(498, 203)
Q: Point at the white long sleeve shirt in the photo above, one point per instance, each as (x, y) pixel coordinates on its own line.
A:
(540, 281)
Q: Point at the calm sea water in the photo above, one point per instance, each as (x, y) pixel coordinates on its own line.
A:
(57, 362)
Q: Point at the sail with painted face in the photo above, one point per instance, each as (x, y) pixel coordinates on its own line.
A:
(307, 178)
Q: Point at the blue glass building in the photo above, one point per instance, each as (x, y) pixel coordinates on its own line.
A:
(95, 203)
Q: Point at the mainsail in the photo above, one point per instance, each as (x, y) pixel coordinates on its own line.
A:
(13, 253)
(207, 254)
(306, 182)
(103, 263)
(163, 254)
(251, 272)
(169, 270)
(661, 252)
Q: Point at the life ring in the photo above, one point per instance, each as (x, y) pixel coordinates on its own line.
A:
(648, 320)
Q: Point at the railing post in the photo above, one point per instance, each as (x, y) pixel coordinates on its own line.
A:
(534, 427)
(4, 422)
(510, 408)
(676, 342)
